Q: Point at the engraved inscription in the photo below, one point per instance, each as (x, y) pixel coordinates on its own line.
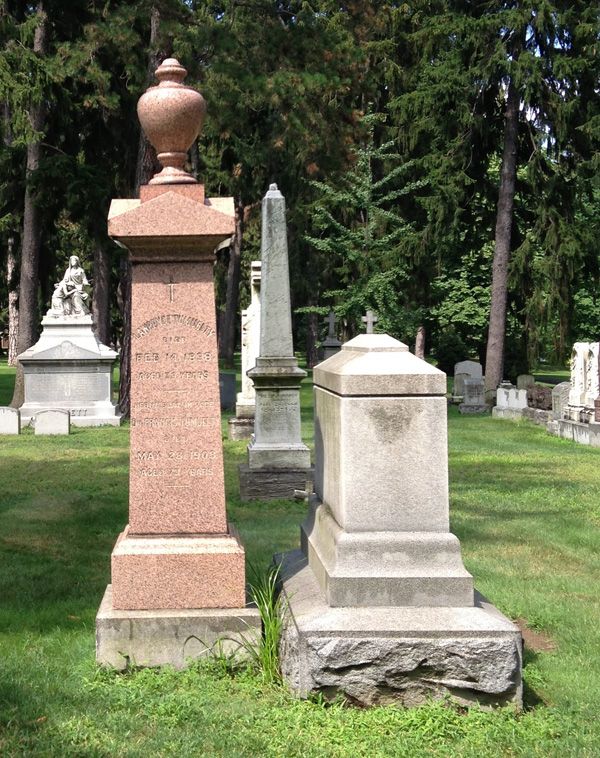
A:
(179, 455)
(189, 422)
(153, 375)
(175, 402)
(174, 319)
(164, 473)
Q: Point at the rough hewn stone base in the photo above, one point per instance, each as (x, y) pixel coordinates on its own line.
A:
(161, 637)
(272, 484)
(395, 655)
(240, 428)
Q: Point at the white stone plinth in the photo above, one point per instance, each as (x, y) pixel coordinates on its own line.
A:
(69, 369)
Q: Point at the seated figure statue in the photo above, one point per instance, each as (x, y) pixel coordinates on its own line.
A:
(69, 298)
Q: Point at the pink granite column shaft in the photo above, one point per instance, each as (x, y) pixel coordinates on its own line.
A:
(176, 466)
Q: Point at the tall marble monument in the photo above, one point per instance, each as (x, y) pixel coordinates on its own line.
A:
(379, 606)
(242, 426)
(68, 368)
(178, 569)
(278, 460)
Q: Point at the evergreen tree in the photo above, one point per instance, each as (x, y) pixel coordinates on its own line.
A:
(363, 236)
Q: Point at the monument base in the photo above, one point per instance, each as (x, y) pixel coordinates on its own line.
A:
(395, 655)
(171, 637)
(466, 408)
(357, 569)
(240, 428)
(510, 413)
(69, 369)
(178, 572)
(585, 434)
(272, 484)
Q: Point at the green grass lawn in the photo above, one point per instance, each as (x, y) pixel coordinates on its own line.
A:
(525, 505)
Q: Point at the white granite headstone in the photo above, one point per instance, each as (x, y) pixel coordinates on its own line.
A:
(10, 421)
(246, 399)
(52, 421)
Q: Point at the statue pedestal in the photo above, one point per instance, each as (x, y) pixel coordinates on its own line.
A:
(69, 369)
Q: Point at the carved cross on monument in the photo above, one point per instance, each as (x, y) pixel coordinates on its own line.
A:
(370, 319)
(171, 285)
(331, 320)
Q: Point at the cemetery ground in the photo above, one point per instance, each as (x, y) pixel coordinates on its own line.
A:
(525, 506)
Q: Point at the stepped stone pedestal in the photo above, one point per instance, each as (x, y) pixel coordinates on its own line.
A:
(379, 604)
(178, 573)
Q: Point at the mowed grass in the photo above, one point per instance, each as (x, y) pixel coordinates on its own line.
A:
(525, 505)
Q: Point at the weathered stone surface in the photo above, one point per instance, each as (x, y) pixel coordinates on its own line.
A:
(178, 552)
(472, 368)
(584, 433)
(246, 399)
(473, 397)
(331, 344)
(240, 428)
(560, 399)
(174, 637)
(272, 484)
(69, 369)
(384, 490)
(153, 572)
(52, 421)
(510, 402)
(384, 568)
(277, 442)
(524, 381)
(226, 390)
(377, 364)
(395, 655)
(10, 421)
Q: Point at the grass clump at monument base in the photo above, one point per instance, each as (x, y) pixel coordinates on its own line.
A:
(524, 504)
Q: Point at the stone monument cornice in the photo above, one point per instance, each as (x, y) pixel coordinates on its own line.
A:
(171, 225)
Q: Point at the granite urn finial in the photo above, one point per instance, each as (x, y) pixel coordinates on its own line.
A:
(171, 115)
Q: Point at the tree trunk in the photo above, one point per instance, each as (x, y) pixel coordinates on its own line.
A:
(229, 315)
(147, 163)
(312, 337)
(420, 343)
(125, 353)
(101, 292)
(494, 361)
(146, 167)
(32, 226)
(13, 302)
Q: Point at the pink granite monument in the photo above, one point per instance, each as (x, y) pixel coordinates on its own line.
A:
(178, 573)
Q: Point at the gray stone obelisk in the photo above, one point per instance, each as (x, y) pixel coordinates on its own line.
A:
(278, 460)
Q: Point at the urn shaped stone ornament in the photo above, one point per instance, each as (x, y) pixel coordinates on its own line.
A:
(171, 115)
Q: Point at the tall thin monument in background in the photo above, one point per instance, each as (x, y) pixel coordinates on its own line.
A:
(278, 460)
(178, 569)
